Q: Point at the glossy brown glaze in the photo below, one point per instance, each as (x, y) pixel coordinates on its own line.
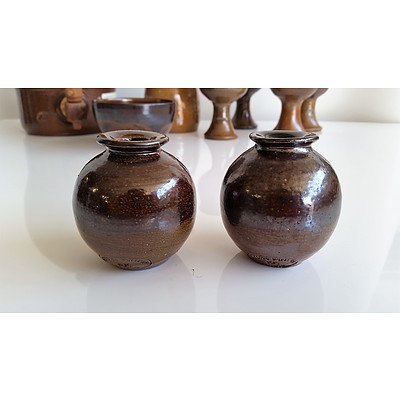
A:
(134, 204)
(58, 112)
(145, 114)
(186, 107)
(280, 200)
(292, 100)
(242, 118)
(221, 127)
(308, 117)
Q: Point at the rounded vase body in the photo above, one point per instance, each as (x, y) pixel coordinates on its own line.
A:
(280, 200)
(134, 204)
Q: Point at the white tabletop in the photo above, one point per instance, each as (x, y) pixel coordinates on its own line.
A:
(45, 265)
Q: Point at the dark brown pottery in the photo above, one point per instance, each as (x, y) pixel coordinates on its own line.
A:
(186, 110)
(292, 100)
(58, 112)
(134, 204)
(280, 200)
(242, 118)
(221, 127)
(145, 114)
(308, 117)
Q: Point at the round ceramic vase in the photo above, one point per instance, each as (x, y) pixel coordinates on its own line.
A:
(280, 200)
(134, 204)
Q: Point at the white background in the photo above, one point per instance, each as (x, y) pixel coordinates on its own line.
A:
(369, 105)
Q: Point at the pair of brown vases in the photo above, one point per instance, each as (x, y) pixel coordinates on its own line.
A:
(298, 109)
(135, 204)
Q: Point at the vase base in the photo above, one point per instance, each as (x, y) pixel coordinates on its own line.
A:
(273, 262)
(132, 265)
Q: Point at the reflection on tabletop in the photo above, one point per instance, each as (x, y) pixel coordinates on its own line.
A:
(265, 289)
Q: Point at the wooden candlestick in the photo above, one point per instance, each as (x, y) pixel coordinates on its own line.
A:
(221, 127)
(308, 117)
(242, 118)
(292, 100)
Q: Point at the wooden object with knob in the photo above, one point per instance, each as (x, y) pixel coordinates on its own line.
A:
(74, 107)
(58, 111)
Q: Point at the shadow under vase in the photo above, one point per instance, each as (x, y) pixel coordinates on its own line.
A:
(246, 286)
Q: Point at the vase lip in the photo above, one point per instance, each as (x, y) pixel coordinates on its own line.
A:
(132, 140)
(283, 138)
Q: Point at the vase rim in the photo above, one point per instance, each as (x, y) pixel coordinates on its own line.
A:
(132, 140)
(283, 138)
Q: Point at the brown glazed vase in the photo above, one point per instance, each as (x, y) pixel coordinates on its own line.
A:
(58, 112)
(280, 200)
(134, 204)
(186, 107)
(308, 117)
(221, 127)
(242, 118)
(292, 100)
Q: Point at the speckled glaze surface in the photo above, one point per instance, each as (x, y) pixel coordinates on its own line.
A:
(292, 100)
(146, 114)
(280, 200)
(186, 107)
(308, 116)
(221, 127)
(242, 118)
(134, 204)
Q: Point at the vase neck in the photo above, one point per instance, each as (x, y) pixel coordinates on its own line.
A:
(129, 157)
(132, 142)
(283, 140)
